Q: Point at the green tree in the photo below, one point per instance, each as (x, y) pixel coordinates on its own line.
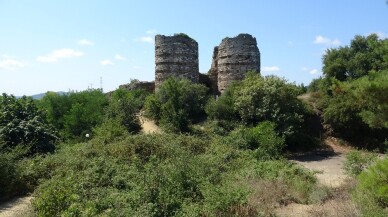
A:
(177, 103)
(75, 113)
(22, 123)
(362, 56)
(272, 99)
(352, 95)
(123, 107)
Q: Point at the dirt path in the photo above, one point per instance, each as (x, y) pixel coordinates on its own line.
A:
(19, 207)
(329, 167)
(148, 126)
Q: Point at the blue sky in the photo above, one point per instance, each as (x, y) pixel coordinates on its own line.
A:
(68, 44)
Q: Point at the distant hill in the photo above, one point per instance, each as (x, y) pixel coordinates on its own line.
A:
(41, 95)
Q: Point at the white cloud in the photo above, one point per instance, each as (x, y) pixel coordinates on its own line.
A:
(305, 69)
(151, 32)
(107, 63)
(313, 71)
(136, 67)
(59, 54)
(147, 39)
(8, 63)
(270, 69)
(85, 42)
(326, 41)
(119, 57)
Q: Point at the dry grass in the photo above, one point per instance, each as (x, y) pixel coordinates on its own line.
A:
(267, 195)
(340, 204)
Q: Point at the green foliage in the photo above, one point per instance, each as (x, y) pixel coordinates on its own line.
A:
(76, 113)
(357, 60)
(158, 175)
(22, 123)
(357, 161)
(110, 131)
(352, 95)
(222, 108)
(372, 94)
(372, 191)
(10, 185)
(182, 35)
(262, 138)
(269, 98)
(123, 107)
(176, 104)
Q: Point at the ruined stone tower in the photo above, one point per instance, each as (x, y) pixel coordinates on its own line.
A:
(233, 58)
(175, 56)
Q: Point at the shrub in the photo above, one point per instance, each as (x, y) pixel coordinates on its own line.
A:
(76, 113)
(357, 161)
(10, 185)
(22, 123)
(176, 104)
(262, 138)
(372, 190)
(123, 107)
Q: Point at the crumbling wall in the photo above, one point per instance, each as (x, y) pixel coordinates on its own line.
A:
(175, 56)
(235, 56)
(148, 86)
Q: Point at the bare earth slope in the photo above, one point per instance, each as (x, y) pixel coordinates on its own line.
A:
(328, 165)
(19, 207)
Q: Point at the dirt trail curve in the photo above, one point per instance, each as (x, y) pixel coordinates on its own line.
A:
(148, 126)
(329, 167)
(19, 207)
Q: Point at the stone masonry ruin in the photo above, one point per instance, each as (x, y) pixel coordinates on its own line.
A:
(233, 58)
(175, 56)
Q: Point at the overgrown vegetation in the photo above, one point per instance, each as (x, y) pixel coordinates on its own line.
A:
(176, 104)
(218, 156)
(352, 93)
(162, 175)
(372, 190)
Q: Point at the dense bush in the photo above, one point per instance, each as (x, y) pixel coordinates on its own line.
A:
(257, 99)
(177, 103)
(124, 106)
(158, 175)
(372, 190)
(76, 113)
(263, 139)
(364, 55)
(357, 161)
(22, 123)
(9, 175)
(352, 93)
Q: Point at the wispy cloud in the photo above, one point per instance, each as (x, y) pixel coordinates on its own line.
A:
(326, 41)
(313, 71)
(151, 32)
(60, 54)
(270, 69)
(147, 39)
(107, 63)
(85, 42)
(119, 57)
(310, 70)
(9, 63)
